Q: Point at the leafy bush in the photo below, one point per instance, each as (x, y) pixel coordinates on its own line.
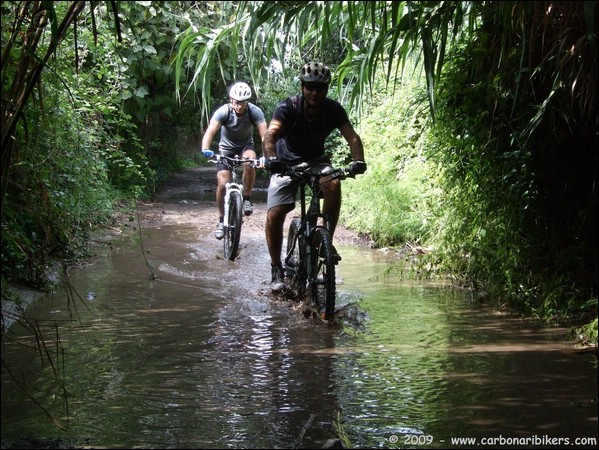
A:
(510, 227)
(394, 201)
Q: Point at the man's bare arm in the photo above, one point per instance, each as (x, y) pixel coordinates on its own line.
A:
(209, 134)
(270, 138)
(354, 141)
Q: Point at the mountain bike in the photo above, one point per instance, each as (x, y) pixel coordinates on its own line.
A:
(233, 218)
(310, 259)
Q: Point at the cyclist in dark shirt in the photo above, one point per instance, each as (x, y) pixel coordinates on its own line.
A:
(237, 119)
(297, 133)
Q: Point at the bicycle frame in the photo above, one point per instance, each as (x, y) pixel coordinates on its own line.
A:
(230, 187)
(309, 261)
(309, 215)
(233, 199)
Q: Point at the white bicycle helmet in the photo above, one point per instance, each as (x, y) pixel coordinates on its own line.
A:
(240, 92)
(315, 72)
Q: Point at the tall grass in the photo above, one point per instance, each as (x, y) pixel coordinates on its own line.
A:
(394, 201)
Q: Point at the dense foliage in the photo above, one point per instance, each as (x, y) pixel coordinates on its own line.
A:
(394, 201)
(520, 165)
(102, 126)
(517, 213)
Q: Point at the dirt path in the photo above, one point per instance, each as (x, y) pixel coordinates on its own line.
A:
(189, 198)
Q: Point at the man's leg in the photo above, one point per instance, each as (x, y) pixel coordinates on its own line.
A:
(249, 173)
(249, 177)
(275, 219)
(222, 178)
(331, 205)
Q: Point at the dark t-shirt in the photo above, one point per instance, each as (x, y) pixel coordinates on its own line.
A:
(304, 139)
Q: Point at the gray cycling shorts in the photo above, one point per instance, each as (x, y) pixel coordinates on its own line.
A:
(282, 190)
(239, 151)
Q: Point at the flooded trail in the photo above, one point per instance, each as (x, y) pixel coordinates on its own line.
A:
(202, 355)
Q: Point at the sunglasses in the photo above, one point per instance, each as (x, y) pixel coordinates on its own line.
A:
(319, 87)
(235, 102)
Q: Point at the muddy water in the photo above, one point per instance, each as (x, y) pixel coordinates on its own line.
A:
(203, 356)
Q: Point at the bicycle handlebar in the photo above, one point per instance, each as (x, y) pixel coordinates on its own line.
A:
(234, 161)
(305, 171)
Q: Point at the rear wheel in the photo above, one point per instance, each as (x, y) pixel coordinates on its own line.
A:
(233, 230)
(322, 280)
(295, 264)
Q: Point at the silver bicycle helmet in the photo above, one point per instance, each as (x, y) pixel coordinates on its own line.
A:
(240, 92)
(315, 72)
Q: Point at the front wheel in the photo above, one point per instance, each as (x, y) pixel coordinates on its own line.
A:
(233, 230)
(295, 264)
(322, 279)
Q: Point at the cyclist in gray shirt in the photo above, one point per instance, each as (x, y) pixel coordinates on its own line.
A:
(236, 121)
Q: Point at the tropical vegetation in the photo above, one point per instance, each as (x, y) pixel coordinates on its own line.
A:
(479, 121)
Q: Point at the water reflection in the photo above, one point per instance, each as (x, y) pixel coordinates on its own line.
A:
(204, 357)
(439, 366)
